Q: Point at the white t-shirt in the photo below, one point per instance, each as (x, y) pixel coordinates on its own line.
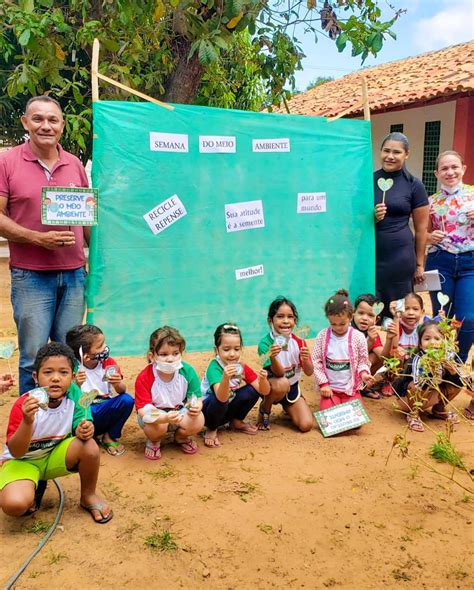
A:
(338, 364)
(169, 394)
(94, 380)
(408, 341)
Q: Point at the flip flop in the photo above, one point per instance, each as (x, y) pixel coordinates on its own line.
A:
(469, 414)
(188, 446)
(415, 424)
(245, 429)
(263, 418)
(113, 448)
(371, 394)
(211, 442)
(152, 452)
(39, 493)
(448, 416)
(98, 506)
(387, 390)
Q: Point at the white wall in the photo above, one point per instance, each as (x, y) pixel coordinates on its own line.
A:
(414, 128)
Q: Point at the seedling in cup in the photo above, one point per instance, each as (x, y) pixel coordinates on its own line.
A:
(399, 307)
(41, 395)
(109, 372)
(384, 184)
(281, 341)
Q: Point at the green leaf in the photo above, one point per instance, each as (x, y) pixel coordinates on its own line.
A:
(233, 7)
(377, 43)
(220, 42)
(27, 5)
(111, 45)
(24, 37)
(341, 42)
(77, 95)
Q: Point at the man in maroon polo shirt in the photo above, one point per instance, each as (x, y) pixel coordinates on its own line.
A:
(46, 262)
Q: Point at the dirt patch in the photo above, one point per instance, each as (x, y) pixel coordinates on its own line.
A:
(278, 510)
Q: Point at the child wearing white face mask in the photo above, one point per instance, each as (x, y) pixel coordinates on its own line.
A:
(168, 392)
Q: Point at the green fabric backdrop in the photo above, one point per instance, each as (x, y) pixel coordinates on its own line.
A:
(185, 275)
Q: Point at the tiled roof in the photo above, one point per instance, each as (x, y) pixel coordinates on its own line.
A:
(422, 78)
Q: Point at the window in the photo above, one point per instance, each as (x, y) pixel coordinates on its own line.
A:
(430, 153)
(397, 127)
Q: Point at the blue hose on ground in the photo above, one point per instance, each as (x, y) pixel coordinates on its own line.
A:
(43, 541)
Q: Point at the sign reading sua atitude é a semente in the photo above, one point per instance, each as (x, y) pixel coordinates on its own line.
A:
(62, 205)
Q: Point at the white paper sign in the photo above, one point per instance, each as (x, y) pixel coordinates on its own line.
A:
(311, 203)
(165, 214)
(242, 216)
(249, 272)
(271, 145)
(217, 144)
(342, 417)
(431, 282)
(168, 142)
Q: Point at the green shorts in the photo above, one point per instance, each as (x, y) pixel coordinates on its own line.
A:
(49, 467)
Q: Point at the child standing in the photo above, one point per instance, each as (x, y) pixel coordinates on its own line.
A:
(40, 443)
(364, 320)
(167, 392)
(230, 389)
(98, 371)
(287, 356)
(414, 390)
(340, 356)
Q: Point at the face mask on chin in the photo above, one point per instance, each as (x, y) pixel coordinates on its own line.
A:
(168, 368)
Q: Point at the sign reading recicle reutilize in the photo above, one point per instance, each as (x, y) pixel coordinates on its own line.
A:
(342, 417)
(66, 205)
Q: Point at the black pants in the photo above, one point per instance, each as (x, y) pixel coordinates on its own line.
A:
(218, 413)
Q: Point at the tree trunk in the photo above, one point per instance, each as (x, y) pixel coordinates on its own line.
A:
(183, 83)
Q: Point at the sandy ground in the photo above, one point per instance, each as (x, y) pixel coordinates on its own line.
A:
(278, 510)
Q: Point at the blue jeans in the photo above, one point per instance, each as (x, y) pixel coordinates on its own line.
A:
(457, 272)
(46, 304)
(110, 416)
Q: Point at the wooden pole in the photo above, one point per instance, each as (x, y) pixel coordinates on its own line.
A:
(344, 112)
(95, 76)
(365, 99)
(135, 92)
(95, 70)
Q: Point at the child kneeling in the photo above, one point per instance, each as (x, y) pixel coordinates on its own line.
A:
(40, 443)
(168, 392)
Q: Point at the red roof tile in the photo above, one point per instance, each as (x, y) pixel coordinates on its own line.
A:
(429, 76)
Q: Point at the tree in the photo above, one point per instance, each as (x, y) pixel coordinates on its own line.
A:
(319, 80)
(231, 53)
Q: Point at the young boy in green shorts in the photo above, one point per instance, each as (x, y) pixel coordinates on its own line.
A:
(50, 438)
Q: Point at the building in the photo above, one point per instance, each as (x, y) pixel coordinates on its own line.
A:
(429, 97)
